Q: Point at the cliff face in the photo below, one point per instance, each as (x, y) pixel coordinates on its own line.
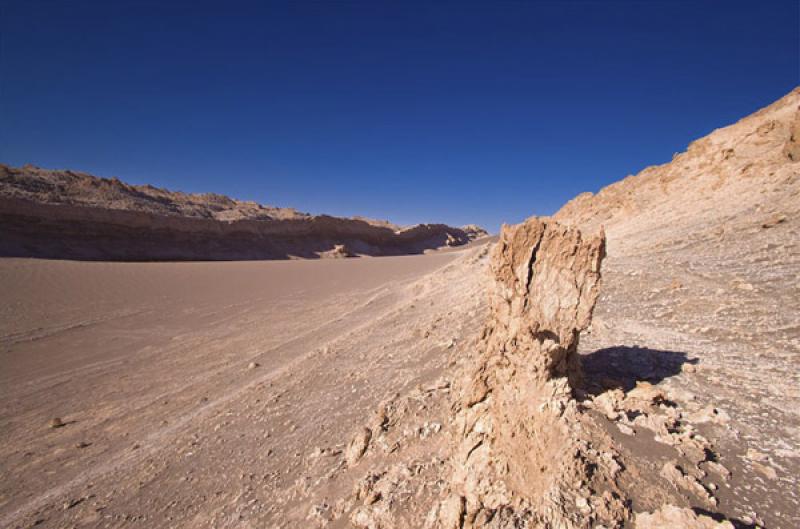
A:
(62, 214)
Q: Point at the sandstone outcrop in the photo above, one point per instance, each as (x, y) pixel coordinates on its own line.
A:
(66, 214)
(525, 454)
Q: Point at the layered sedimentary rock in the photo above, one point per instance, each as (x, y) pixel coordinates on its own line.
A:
(525, 453)
(65, 214)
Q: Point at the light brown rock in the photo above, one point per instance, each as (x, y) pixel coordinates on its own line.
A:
(521, 449)
(358, 445)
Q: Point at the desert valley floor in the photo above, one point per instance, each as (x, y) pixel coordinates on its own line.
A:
(224, 394)
(213, 379)
(442, 390)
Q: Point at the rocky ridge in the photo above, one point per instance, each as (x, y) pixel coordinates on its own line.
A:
(736, 174)
(67, 214)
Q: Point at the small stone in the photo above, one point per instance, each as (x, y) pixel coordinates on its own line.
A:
(358, 446)
(718, 468)
(755, 455)
(320, 513)
(773, 221)
(253, 365)
(583, 505)
(56, 422)
(624, 428)
(766, 470)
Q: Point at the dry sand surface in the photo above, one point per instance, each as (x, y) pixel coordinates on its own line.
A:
(192, 391)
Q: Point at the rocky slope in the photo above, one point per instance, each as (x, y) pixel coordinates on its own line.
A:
(701, 295)
(66, 214)
(684, 414)
(739, 177)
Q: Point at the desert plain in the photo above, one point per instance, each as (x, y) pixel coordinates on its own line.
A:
(631, 361)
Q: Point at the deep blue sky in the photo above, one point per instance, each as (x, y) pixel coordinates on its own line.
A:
(437, 111)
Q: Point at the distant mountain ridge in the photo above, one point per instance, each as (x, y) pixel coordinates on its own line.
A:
(74, 215)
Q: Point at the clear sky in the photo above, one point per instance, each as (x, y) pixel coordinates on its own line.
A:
(453, 112)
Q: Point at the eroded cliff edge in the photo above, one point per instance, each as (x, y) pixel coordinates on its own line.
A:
(71, 215)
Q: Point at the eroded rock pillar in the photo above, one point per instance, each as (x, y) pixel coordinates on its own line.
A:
(521, 454)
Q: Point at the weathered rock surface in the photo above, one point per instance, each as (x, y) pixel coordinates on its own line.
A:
(358, 445)
(66, 214)
(701, 299)
(524, 453)
(743, 171)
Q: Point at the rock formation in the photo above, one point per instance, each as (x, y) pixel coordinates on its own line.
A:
(525, 455)
(66, 214)
(737, 172)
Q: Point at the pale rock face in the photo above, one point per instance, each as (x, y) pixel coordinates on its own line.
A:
(522, 448)
(358, 445)
(743, 170)
(792, 147)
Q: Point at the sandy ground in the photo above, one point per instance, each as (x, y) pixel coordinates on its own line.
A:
(168, 423)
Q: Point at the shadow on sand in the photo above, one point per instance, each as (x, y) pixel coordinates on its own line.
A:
(737, 524)
(623, 366)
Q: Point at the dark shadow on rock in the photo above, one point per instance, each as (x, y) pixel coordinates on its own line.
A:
(623, 366)
(738, 524)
